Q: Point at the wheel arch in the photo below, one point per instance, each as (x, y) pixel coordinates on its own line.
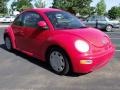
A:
(9, 33)
(109, 25)
(5, 35)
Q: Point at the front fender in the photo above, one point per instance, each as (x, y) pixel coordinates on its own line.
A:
(66, 42)
(9, 32)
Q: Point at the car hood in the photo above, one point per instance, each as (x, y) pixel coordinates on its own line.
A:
(91, 35)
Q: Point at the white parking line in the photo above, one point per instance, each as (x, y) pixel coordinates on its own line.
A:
(117, 50)
(114, 38)
(112, 32)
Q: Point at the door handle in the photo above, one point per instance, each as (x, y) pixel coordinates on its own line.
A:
(17, 31)
(21, 33)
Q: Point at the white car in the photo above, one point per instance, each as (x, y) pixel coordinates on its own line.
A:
(8, 19)
(2, 19)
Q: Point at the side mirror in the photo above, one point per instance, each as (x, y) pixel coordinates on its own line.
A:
(43, 25)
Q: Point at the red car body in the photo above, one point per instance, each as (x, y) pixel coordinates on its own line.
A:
(37, 43)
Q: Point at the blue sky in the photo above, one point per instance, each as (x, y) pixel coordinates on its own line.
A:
(109, 3)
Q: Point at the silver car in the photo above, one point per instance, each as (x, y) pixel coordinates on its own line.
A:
(102, 22)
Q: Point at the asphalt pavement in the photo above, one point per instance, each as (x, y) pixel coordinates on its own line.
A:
(21, 72)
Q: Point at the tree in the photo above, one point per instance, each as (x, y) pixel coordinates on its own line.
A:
(13, 7)
(114, 12)
(21, 5)
(91, 11)
(73, 6)
(39, 4)
(101, 7)
(3, 6)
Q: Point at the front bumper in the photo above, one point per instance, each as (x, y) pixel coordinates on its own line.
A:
(98, 61)
(116, 26)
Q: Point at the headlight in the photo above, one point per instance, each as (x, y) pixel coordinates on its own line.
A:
(81, 46)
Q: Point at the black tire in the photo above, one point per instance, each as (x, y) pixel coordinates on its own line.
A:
(66, 67)
(8, 43)
(108, 28)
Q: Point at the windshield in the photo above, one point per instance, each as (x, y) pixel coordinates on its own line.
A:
(64, 20)
(108, 19)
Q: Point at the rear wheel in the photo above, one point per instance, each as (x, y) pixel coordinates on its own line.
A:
(108, 28)
(8, 43)
(58, 61)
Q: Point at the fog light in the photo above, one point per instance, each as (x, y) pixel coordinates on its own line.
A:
(86, 61)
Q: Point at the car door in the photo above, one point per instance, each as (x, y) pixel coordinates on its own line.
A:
(34, 36)
(18, 29)
(102, 23)
(91, 21)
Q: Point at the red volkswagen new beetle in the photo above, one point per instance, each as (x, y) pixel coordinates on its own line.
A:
(59, 38)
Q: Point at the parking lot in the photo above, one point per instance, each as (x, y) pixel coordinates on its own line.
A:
(21, 72)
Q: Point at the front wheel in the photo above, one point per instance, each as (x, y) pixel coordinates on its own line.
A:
(58, 61)
(8, 43)
(108, 28)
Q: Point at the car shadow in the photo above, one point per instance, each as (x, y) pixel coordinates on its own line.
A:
(37, 62)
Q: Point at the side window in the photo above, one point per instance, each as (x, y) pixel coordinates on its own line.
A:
(18, 21)
(93, 18)
(97, 18)
(102, 18)
(31, 19)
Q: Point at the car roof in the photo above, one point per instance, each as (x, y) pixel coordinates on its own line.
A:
(97, 16)
(43, 9)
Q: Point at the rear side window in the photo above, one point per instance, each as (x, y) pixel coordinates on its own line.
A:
(18, 21)
(31, 19)
(101, 18)
(93, 18)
